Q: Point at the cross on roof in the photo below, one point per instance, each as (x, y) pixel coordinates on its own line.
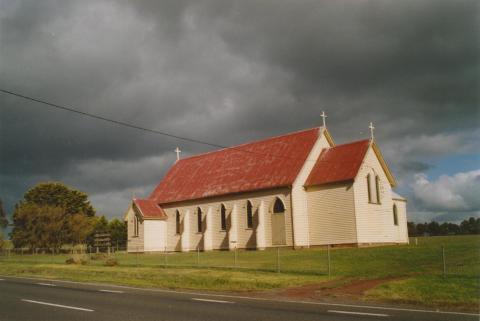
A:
(371, 130)
(178, 151)
(323, 115)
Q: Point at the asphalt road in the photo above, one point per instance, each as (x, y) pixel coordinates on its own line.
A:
(34, 299)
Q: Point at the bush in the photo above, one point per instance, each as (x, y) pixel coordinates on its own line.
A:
(77, 259)
(111, 262)
(98, 256)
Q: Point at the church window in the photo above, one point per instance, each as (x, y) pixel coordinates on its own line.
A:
(223, 217)
(369, 190)
(135, 226)
(278, 207)
(249, 214)
(177, 222)
(377, 188)
(199, 220)
(395, 215)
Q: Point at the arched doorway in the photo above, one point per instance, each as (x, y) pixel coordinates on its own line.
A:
(278, 223)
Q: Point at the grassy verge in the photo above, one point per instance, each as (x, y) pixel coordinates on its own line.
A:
(408, 273)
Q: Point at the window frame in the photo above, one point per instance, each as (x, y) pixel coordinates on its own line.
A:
(249, 215)
(177, 223)
(377, 188)
(369, 189)
(395, 215)
(277, 199)
(223, 217)
(199, 220)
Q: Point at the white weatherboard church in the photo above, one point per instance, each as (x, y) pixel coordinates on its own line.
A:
(297, 190)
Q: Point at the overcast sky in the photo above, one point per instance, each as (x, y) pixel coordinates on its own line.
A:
(230, 72)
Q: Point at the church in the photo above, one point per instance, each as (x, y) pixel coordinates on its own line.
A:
(296, 190)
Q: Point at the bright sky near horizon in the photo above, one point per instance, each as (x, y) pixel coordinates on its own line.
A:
(230, 72)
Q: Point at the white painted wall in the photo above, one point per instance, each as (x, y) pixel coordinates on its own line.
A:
(155, 235)
(375, 221)
(299, 195)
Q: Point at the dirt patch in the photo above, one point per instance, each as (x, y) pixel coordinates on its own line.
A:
(337, 288)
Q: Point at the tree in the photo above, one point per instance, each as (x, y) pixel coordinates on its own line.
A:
(3, 216)
(45, 207)
(80, 227)
(118, 233)
(38, 226)
(59, 195)
(100, 226)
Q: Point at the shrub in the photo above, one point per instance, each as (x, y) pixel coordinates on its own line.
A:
(111, 262)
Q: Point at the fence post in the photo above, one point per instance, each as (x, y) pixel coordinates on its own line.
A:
(444, 263)
(136, 257)
(278, 259)
(165, 256)
(198, 255)
(329, 262)
(235, 256)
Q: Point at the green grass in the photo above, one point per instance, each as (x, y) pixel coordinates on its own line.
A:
(412, 273)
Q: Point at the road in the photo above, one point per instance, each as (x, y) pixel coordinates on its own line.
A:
(36, 299)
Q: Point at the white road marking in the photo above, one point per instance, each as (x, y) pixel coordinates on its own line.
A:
(359, 313)
(46, 284)
(111, 291)
(248, 298)
(215, 301)
(58, 305)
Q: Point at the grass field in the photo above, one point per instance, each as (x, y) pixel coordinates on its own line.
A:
(409, 273)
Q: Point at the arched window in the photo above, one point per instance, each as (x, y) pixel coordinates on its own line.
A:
(278, 207)
(369, 190)
(395, 214)
(177, 222)
(249, 214)
(199, 220)
(135, 225)
(223, 217)
(377, 188)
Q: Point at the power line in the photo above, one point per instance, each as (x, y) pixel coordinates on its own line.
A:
(118, 122)
(122, 123)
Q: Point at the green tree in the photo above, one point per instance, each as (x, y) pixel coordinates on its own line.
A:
(66, 206)
(39, 226)
(3, 216)
(100, 226)
(59, 195)
(118, 233)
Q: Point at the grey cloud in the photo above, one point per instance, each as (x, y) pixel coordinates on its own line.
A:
(227, 72)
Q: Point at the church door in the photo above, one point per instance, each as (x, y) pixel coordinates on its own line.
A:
(278, 224)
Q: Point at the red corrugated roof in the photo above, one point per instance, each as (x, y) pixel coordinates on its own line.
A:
(149, 209)
(270, 163)
(339, 163)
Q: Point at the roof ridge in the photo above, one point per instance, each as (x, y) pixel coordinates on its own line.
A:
(245, 144)
(354, 142)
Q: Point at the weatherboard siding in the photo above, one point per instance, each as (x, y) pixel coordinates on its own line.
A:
(134, 243)
(331, 214)
(401, 229)
(155, 232)
(299, 195)
(374, 221)
(220, 239)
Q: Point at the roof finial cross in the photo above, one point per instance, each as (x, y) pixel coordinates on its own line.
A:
(323, 115)
(178, 151)
(371, 130)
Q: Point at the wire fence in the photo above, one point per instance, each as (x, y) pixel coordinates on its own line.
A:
(418, 257)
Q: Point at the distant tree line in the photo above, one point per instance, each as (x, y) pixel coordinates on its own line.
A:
(470, 226)
(52, 215)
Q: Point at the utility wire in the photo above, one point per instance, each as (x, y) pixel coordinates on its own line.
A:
(118, 122)
(122, 123)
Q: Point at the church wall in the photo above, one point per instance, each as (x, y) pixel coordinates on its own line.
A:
(134, 243)
(402, 220)
(331, 212)
(374, 221)
(155, 235)
(299, 195)
(220, 239)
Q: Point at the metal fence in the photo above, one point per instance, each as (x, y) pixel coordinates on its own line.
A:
(418, 257)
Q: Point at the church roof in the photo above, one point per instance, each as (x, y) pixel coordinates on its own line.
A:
(338, 164)
(149, 209)
(270, 163)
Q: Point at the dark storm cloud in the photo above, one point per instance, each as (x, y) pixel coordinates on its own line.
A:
(227, 72)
